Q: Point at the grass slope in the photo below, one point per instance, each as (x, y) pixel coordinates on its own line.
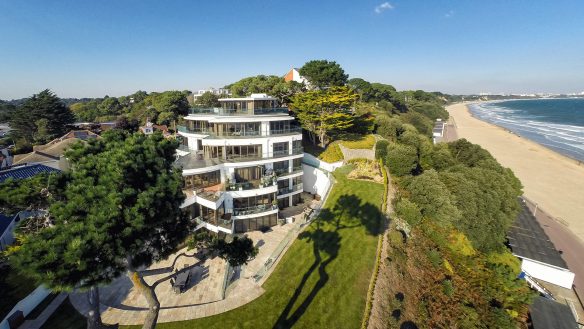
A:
(322, 280)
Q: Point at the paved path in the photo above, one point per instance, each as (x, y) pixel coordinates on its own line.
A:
(45, 315)
(349, 154)
(380, 307)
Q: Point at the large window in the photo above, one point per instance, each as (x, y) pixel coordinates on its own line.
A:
(237, 129)
(248, 174)
(203, 180)
(197, 126)
(281, 167)
(281, 149)
(279, 127)
(245, 225)
(213, 152)
(254, 201)
(244, 151)
(297, 164)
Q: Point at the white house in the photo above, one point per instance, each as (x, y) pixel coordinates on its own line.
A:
(241, 162)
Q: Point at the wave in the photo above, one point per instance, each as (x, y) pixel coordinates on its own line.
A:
(565, 138)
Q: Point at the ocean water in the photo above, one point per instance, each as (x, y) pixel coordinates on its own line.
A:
(555, 123)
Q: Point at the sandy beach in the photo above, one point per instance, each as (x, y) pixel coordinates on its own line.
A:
(553, 181)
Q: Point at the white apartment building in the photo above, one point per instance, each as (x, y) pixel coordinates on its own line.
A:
(241, 162)
(216, 91)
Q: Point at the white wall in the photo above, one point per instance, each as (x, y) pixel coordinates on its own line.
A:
(27, 304)
(314, 180)
(311, 159)
(554, 275)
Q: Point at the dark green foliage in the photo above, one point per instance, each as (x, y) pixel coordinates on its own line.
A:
(408, 211)
(322, 73)
(468, 153)
(381, 149)
(6, 111)
(419, 121)
(401, 159)
(433, 198)
(120, 210)
(389, 128)
(439, 158)
(41, 118)
(237, 252)
(208, 99)
(256, 84)
(127, 124)
(430, 110)
(33, 193)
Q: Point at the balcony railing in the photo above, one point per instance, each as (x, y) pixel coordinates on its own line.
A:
(281, 153)
(281, 171)
(226, 223)
(265, 181)
(291, 130)
(185, 129)
(297, 169)
(290, 189)
(254, 209)
(235, 112)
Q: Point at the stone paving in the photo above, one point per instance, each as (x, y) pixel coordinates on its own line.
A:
(120, 303)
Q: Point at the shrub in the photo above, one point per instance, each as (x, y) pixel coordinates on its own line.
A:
(401, 159)
(381, 149)
(408, 211)
(332, 153)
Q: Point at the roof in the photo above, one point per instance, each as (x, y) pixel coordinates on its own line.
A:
(21, 172)
(546, 313)
(5, 222)
(528, 240)
(53, 150)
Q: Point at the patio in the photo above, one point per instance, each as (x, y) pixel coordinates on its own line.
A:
(203, 294)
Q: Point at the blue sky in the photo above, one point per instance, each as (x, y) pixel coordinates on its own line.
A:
(115, 47)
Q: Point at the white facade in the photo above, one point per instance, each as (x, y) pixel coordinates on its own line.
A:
(241, 162)
(548, 273)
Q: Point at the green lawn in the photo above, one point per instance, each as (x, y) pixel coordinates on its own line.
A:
(13, 288)
(322, 280)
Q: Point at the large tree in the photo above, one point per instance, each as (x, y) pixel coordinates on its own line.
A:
(257, 84)
(170, 105)
(322, 112)
(120, 211)
(208, 99)
(322, 73)
(45, 111)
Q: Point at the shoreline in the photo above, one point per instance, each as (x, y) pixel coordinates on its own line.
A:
(553, 180)
(507, 130)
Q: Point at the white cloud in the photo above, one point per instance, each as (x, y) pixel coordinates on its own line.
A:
(383, 7)
(449, 14)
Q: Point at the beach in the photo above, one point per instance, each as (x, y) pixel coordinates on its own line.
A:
(553, 181)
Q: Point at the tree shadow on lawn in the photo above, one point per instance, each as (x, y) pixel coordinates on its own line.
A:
(347, 213)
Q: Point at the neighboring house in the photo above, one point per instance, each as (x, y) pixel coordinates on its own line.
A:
(221, 92)
(51, 154)
(294, 75)
(149, 128)
(241, 163)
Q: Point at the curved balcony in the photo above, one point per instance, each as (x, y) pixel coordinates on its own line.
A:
(254, 210)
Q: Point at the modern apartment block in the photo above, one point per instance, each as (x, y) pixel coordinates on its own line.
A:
(241, 162)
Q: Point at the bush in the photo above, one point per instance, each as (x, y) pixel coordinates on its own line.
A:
(408, 211)
(401, 159)
(381, 149)
(422, 123)
(332, 153)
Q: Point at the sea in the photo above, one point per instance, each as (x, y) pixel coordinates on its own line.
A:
(556, 123)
